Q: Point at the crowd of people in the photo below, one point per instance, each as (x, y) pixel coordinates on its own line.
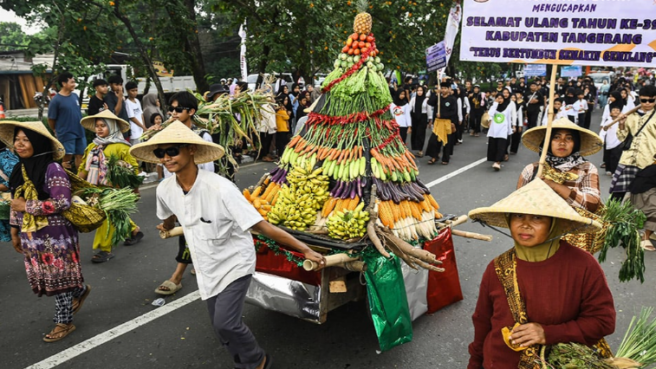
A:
(548, 216)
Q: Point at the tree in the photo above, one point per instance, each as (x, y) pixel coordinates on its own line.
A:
(12, 37)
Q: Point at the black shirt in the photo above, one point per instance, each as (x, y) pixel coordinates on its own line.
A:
(448, 107)
(533, 107)
(95, 105)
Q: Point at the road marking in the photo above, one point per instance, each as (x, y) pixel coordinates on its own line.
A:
(135, 323)
(118, 331)
(453, 174)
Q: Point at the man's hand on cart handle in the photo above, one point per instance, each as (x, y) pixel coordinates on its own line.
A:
(285, 239)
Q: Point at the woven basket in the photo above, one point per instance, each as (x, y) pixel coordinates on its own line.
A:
(85, 218)
(590, 242)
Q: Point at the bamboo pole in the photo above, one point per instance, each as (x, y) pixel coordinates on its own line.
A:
(618, 119)
(175, 232)
(331, 260)
(552, 89)
(476, 236)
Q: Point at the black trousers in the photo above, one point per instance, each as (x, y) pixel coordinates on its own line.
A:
(403, 132)
(460, 128)
(515, 140)
(282, 139)
(533, 118)
(613, 158)
(265, 140)
(418, 135)
(496, 149)
(582, 121)
(588, 115)
(434, 147)
(475, 120)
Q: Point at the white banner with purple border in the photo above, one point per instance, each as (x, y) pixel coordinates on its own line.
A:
(568, 32)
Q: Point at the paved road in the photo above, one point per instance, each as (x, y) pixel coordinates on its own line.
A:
(123, 290)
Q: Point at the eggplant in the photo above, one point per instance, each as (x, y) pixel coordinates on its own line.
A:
(417, 195)
(382, 190)
(336, 189)
(359, 188)
(423, 186)
(353, 189)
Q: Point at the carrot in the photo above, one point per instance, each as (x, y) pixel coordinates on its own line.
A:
(359, 152)
(294, 140)
(300, 146)
(334, 155)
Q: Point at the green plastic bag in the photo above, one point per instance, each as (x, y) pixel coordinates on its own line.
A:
(387, 300)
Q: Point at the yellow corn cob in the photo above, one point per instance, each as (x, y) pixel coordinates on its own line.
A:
(434, 203)
(416, 210)
(247, 195)
(256, 192)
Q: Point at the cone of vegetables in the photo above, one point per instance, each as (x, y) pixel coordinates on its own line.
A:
(349, 143)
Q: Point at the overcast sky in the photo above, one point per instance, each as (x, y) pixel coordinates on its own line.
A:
(10, 16)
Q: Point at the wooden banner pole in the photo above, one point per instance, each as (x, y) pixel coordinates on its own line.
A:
(547, 142)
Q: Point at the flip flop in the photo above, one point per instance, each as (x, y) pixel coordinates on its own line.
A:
(134, 240)
(102, 257)
(173, 288)
(268, 361)
(432, 161)
(65, 331)
(647, 245)
(445, 163)
(80, 300)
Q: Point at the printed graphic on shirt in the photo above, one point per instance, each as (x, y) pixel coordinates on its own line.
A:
(499, 118)
(398, 111)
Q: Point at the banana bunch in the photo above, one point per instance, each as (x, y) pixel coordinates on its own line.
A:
(348, 224)
(298, 203)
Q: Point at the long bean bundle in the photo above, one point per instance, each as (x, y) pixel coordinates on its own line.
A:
(639, 342)
(118, 204)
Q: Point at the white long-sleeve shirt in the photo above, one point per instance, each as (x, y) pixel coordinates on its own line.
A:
(560, 114)
(401, 114)
(501, 125)
(610, 136)
(424, 105)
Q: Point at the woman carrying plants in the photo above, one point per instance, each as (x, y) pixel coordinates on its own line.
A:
(41, 191)
(95, 169)
(543, 291)
(566, 171)
(503, 114)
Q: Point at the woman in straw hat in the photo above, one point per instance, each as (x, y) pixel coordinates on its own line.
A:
(217, 232)
(543, 291)
(109, 142)
(41, 191)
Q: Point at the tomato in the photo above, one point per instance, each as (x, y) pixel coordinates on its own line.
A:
(351, 51)
(354, 36)
(370, 39)
(363, 50)
(345, 49)
(373, 53)
(355, 52)
(349, 42)
(367, 45)
(363, 37)
(361, 44)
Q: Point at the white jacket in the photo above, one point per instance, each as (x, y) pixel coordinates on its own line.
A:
(503, 127)
(424, 105)
(268, 122)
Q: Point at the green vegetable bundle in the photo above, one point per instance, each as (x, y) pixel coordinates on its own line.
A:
(118, 204)
(639, 342)
(575, 356)
(121, 175)
(625, 225)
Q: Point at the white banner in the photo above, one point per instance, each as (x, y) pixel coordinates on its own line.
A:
(569, 32)
(452, 27)
(242, 54)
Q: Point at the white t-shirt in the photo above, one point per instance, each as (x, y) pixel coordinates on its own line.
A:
(501, 125)
(216, 219)
(610, 136)
(134, 111)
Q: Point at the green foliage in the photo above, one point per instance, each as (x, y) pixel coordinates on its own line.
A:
(639, 342)
(576, 356)
(12, 37)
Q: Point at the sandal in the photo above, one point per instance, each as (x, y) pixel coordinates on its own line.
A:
(171, 288)
(134, 240)
(59, 332)
(432, 161)
(78, 302)
(445, 163)
(647, 245)
(603, 165)
(420, 154)
(506, 157)
(102, 257)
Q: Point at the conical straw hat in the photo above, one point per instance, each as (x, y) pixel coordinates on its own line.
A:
(536, 198)
(178, 133)
(7, 128)
(591, 143)
(90, 121)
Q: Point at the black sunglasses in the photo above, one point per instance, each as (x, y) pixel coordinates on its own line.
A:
(650, 101)
(170, 151)
(178, 109)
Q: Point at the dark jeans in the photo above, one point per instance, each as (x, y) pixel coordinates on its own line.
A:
(418, 135)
